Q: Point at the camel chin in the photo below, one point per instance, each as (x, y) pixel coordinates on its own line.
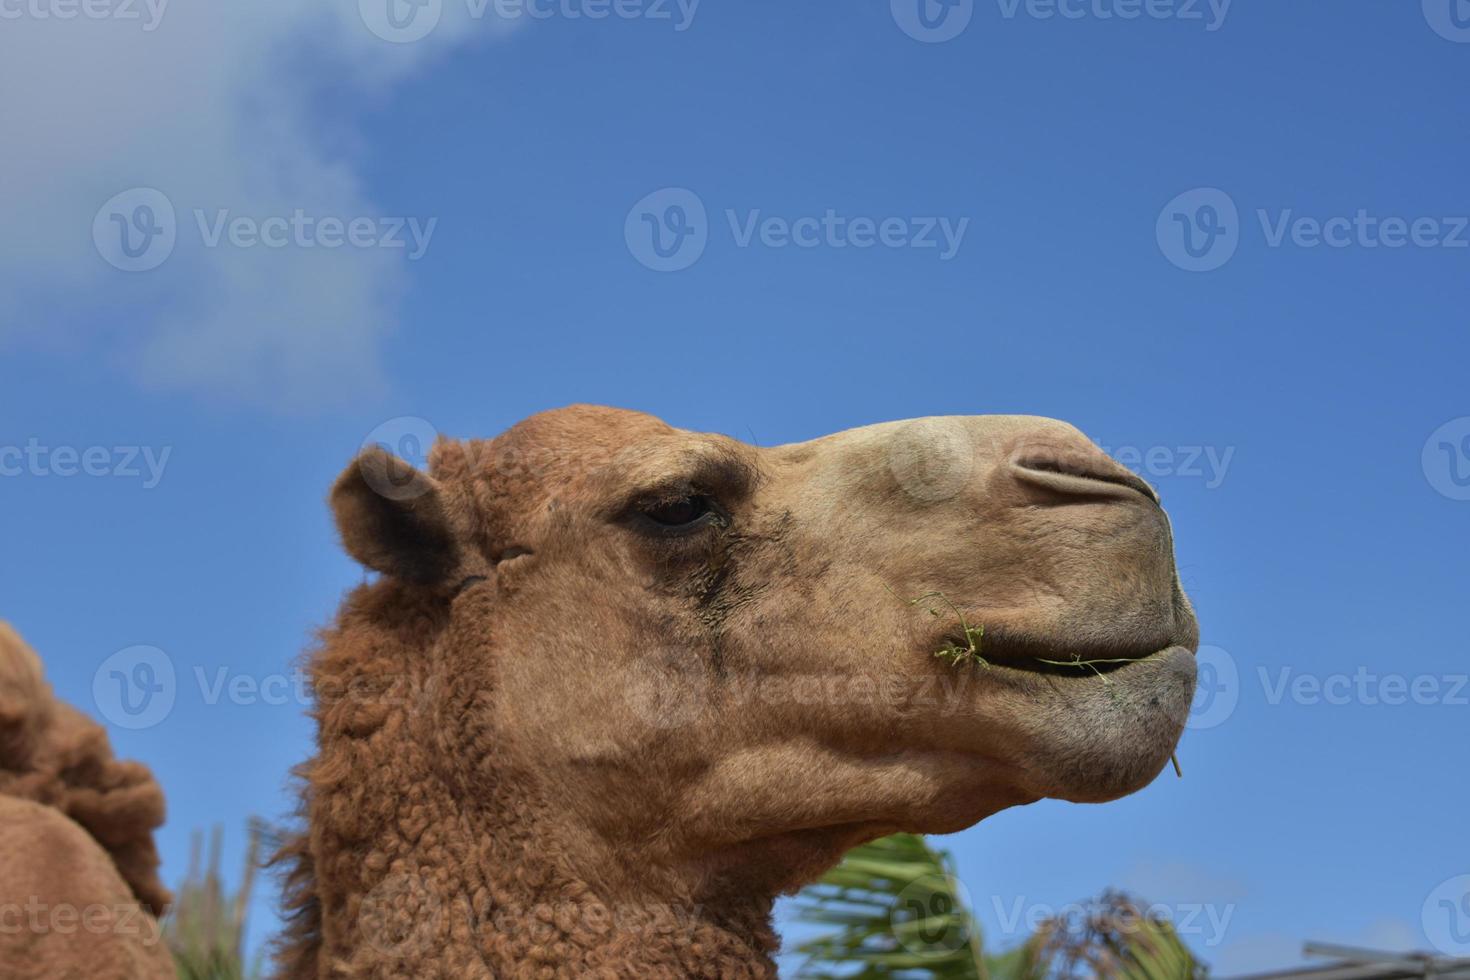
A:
(1089, 733)
(1085, 744)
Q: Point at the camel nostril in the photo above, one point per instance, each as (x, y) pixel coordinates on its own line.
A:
(1075, 471)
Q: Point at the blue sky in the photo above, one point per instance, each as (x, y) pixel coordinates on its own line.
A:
(1229, 243)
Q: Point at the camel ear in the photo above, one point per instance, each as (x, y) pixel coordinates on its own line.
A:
(392, 519)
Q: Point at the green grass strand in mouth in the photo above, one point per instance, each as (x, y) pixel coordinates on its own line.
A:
(952, 651)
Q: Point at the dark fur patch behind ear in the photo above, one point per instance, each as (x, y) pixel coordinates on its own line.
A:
(393, 520)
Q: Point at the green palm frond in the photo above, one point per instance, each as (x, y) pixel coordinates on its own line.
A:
(205, 929)
(893, 910)
(1113, 938)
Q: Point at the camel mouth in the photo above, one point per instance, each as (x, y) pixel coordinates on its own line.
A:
(1031, 656)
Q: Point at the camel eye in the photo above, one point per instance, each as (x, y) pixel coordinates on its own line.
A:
(683, 514)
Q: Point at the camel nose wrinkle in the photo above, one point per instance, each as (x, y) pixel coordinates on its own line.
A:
(1077, 469)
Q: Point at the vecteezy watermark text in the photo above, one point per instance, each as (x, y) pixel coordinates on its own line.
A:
(1365, 687)
(1211, 13)
(406, 21)
(936, 21)
(138, 688)
(669, 229)
(148, 12)
(1221, 686)
(39, 918)
(138, 229)
(833, 230)
(1200, 230)
(1204, 922)
(1207, 463)
(124, 462)
(301, 230)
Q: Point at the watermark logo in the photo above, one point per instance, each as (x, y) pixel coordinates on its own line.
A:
(667, 231)
(401, 916)
(136, 231)
(135, 688)
(1446, 917)
(932, 21)
(1216, 690)
(667, 694)
(1449, 18)
(1446, 459)
(401, 21)
(932, 461)
(1199, 230)
(408, 438)
(927, 915)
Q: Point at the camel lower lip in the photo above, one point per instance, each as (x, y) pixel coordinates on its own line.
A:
(1078, 667)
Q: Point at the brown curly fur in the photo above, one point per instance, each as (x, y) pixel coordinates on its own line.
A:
(494, 794)
(404, 874)
(54, 755)
(58, 779)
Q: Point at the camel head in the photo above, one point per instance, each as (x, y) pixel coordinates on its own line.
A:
(709, 660)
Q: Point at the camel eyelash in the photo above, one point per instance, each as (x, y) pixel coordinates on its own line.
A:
(672, 515)
(676, 514)
(681, 507)
(468, 583)
(717, 477)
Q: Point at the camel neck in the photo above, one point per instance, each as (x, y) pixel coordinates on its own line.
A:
(430, 853)
(424, 879)
(462, 902)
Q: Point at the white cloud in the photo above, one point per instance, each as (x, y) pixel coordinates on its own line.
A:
(1393, 935)
(1182, 883)
(1273, 951)
(213, 104)
(1262, 953)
